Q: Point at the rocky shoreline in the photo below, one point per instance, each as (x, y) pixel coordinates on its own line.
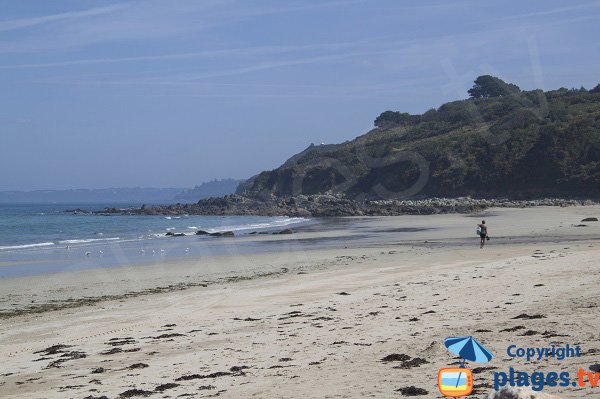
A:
(331, 205)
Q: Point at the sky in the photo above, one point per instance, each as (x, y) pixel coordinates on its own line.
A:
(97, 94)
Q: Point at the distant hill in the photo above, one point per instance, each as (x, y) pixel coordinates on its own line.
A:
(500, 142)
(137, 195)
(106, 195)
(214, 188)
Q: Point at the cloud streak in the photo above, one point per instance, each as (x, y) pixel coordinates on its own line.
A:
(240, 51)
(136, 20)
(554, 11)
(23, 23)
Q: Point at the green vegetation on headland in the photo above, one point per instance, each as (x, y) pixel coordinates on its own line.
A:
(501, 142)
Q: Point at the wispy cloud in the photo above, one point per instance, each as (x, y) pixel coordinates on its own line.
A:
(15, 24)
(394, 56)
(407, 48)
(553, 11)
(297, 91)
(239, 51)
(139, 20)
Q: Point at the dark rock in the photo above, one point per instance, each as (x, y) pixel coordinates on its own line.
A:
(200, 377)
(412, 391)
(121, 341)
(324, 205)
(285, 231)
(138, 366)
(513, 329)
(529, 317)
(66, 356)
(171, 234)
(202, 233)
(79, 211)
(112, 351)
(53, 350)
(409, 364)
(164, 387)
(396, 357)
(222, 234)
(171, 335)
(135, 392)
(589, 220)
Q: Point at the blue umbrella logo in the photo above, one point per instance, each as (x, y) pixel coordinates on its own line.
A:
(468, 349)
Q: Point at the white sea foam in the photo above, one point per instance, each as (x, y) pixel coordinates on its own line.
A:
(25, 246)
(88, 240)
(254, 226)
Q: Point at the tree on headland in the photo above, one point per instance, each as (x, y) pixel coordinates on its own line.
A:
(393, 118)
(596, 89)
(490, 86)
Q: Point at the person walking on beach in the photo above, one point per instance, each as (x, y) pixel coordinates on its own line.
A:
(483, 233)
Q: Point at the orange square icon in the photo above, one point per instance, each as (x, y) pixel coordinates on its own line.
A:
(455, 382)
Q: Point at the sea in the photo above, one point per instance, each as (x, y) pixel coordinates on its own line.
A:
(45, 238)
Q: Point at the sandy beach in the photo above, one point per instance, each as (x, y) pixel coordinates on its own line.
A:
(315, 322)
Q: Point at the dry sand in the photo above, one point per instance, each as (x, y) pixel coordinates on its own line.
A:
(320, 326)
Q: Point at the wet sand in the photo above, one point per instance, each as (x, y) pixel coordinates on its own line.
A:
(310, 322)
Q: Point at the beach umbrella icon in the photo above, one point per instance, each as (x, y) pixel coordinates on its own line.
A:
(468, 348)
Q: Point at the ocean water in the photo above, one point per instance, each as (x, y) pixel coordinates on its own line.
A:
(39, 239)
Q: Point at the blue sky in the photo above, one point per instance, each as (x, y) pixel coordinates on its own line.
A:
(173, 93)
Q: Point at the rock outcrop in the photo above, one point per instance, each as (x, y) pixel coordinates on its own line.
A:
(334, 205)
